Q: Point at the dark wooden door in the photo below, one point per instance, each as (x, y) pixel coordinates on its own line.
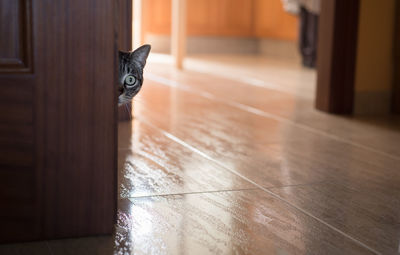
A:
(396, 85)
(58, 118)
(125, 11)
(337, 48)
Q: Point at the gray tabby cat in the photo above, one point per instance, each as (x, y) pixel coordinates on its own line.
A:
(131, 66)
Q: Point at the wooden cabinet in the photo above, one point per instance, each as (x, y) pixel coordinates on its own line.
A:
(270, 20)
(220, 17)
(246, 18)
(235, 17)
(202, 18)
(157, 16)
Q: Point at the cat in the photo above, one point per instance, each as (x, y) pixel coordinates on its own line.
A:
(130, 80)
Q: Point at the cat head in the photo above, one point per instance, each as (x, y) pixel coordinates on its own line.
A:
(131, 65)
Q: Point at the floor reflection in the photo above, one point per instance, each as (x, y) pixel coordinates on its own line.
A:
(211, 164)
(216, 166)
(239, 222)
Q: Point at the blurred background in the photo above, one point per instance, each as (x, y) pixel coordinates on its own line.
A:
(262, 125)
(260, 41)
(225, 26)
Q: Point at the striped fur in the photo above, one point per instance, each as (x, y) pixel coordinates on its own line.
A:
(131, 64)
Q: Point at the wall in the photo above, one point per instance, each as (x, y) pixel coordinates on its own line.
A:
(374, 66)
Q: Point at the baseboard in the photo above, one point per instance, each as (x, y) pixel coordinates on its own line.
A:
(372, 102)
(228, 45)
(279, 48)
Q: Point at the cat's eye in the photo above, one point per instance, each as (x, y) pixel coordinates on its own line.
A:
(130, 80)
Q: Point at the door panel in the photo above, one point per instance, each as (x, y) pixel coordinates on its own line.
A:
(15, 34)
(57, 119)
(17, 169)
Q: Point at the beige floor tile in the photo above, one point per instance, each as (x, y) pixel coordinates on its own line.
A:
(236, 222)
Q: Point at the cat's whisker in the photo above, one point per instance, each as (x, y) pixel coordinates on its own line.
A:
(129, 112)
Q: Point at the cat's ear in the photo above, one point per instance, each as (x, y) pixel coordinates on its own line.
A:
(140, 54)
(123, 54)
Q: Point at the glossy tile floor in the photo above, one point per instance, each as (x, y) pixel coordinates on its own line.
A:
(235, 160)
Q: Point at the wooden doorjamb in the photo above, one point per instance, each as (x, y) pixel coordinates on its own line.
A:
(396, 80)
(337, 48)
(125, 43)
(125, 20)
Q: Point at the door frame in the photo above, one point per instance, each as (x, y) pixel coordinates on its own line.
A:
(396, 64)
(337, 50)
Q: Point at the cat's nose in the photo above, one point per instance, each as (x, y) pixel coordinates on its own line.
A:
(120, 90)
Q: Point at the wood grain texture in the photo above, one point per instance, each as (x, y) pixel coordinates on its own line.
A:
(125, 16)
(271, 21)
(287, 93)
(234, 17)
(15, 34)
(338, 26)
(243, 18)
(203, 17)
(76, 124)
(367, 211)
(396, 80)
(350, 187)
(150, 163)
(125, 112)
(58, 135)
(253, 144)
(17, 158)
(194, 136)
(238, 222)
(157, 16)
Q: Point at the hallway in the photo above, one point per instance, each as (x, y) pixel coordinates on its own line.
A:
(223, 150)
(214, 164)
(211, 164)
